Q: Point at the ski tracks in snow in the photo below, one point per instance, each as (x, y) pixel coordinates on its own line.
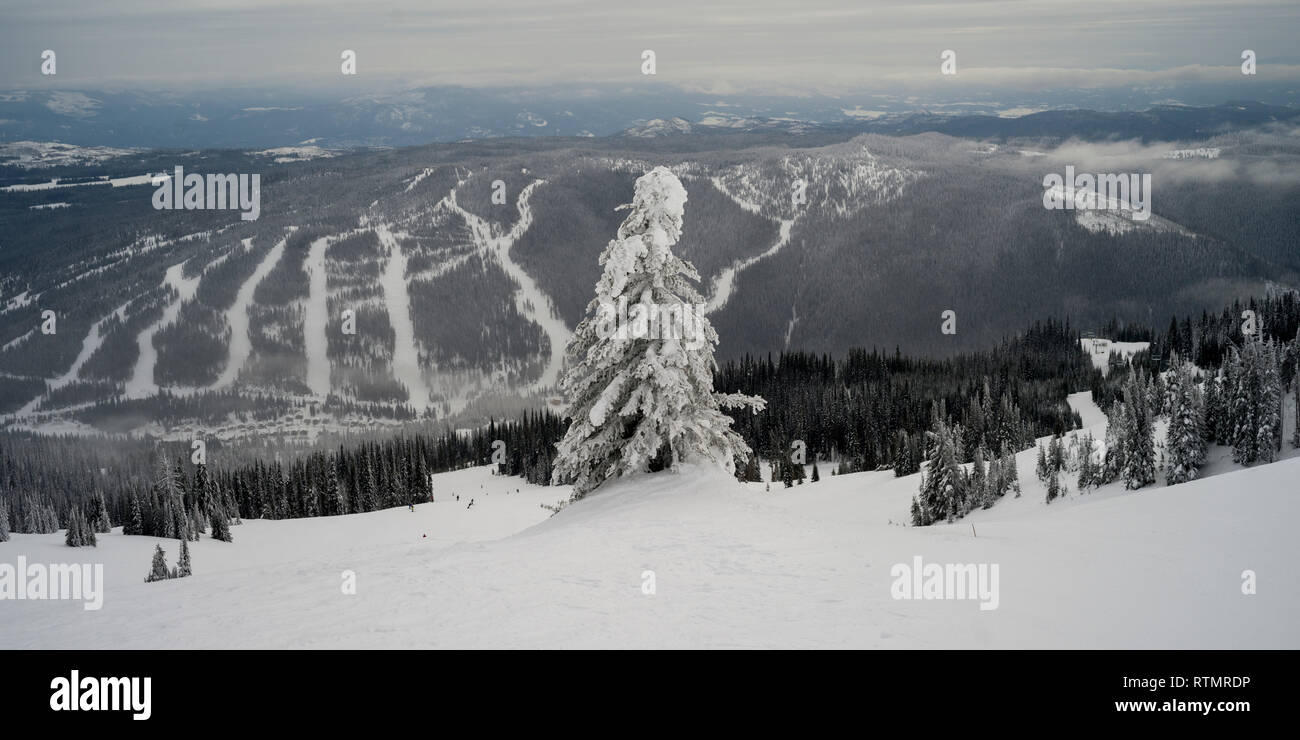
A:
(531, 302)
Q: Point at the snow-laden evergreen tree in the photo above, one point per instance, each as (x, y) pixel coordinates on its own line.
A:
(1089, 468)
(1010, 472)
(1295, 384)
(205, 492)
(996, 484)
(183, 569)
(979, 481)
(4, 521)
(639, 400)
(1157, 394)
(158, 569)
(1268, 435)
(134, 525)
(1185, 439)
(335, 493)
(1256, 402)
(1054, 461)
(221, 526)
(368, 498)
(1243, 403)
(1213, 407)
(1042, 468)
(1056, 454)
(98, 520)
(943, 484)
(75, 535)
(1139, 441)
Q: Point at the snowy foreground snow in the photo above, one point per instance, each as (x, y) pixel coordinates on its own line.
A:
(734, 566)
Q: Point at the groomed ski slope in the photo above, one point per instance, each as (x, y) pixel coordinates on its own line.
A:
(141, 384)
(530, 300)
(406, 357)
(734, 566)
(241, 344)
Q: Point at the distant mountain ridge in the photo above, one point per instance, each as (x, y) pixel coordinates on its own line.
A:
(344, 119)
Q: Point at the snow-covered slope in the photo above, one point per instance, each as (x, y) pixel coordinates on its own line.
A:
(733, 566)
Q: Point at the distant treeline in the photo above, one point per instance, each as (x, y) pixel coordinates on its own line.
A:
(46, 481)
(871, 410)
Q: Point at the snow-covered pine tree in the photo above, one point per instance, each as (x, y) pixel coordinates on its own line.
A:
(158, 569)
(134, 525)
(369, 493)
(1113, 461)
(943, 487)
(1210, 427)
(1042, 469)
(1295, 383)
(1053, 487)
(183, 569)
(4, 521)
(221, 526)
(1056, 455)
(181, 527)
(1269, 405)
(98, 520)
(1244, 403)
(335, 493)
(202, 489)
(1010, 472)
(87, 532)
(640, 401)
(1156, 394)
(72, 536)
(1185, 439)
(996, 484)
(1139, 442)
(80, 533)
(979, 481)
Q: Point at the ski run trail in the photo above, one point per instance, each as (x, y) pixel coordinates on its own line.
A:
(725, 282)
(531, 302)
(316, 320)
(91, 344)
(141, 383)
(241, 345)
(406, 359)
(694, 559)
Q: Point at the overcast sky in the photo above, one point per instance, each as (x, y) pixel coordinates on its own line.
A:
(772, 45)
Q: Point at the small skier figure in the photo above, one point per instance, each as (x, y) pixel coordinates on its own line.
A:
(412, 507)
(471, 505)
